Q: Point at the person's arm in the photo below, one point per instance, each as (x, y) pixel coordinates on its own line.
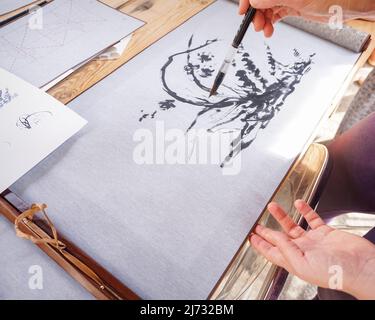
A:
(270, 11)
(321, 255)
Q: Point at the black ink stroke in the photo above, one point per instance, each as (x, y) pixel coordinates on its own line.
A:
(28, 121)
(147, 115)
(167, 104)
(250, 103)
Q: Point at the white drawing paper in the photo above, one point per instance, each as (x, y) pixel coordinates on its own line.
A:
(170, 230)
(32, 125)
(41, 46)
(11, 5)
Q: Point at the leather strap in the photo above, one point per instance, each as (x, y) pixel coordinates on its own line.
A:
(26, 217)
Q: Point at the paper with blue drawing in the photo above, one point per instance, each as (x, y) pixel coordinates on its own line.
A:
(170, 231)
(32, 125)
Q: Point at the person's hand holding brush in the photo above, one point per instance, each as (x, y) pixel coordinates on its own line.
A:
(271, 11)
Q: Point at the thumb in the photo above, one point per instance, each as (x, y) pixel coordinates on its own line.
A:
(266, 4)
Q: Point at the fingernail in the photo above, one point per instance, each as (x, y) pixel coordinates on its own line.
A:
(272, 205)
(298, 202)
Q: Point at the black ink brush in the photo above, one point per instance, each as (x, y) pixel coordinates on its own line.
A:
(233, 50)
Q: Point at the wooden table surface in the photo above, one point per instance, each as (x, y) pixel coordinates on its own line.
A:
(161, 17)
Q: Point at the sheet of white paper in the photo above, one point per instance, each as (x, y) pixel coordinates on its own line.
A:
(41, 46)
(11, 5)
(32, 125)
(112, 53)
(169, 231)
(116, 51)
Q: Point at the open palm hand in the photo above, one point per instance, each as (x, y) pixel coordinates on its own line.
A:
(319, 254)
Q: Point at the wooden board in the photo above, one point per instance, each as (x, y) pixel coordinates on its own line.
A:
(366, 26)
(369, 27)
(161, 16)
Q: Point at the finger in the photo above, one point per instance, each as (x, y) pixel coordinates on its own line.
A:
(265, 4)
(270, 252)
(268, 29)
(259, 21)
(244, 6)
(273, 237)
(286, 222)
(277, 10)
(281, 15)
(276, 18)
(287, 247)
(309, 214)
(268, 14)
